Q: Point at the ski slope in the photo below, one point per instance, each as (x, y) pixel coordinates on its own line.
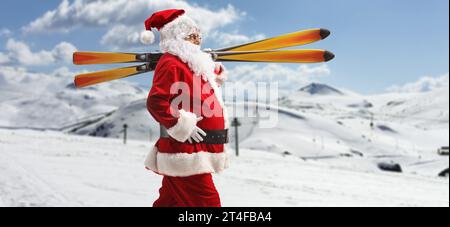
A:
(56, 169)
(323, 134)
(330, 130)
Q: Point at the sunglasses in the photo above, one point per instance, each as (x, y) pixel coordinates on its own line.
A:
(194, 37)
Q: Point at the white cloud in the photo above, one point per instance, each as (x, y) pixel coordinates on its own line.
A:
(124, 18)
(63, 52)
(122, 37)
(5, 32)
(100, 13)
(288, 79)
(3, 58)
(19, 53)
(424, 84)
(234, 38)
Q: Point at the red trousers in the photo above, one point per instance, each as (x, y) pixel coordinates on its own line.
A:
(193, 191)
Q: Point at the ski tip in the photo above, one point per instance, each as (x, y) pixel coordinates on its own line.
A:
(324, 33)
(74, 58)
(328, 56)
(76, 83)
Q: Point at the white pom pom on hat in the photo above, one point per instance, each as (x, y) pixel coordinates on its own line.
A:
(158, 20)
(147, 37)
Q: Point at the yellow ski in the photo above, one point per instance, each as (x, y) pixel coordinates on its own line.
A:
(289, 40)
(93, 78)
(283, 41)
(279, 56)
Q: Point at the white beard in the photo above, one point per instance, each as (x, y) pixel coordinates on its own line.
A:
(198, 61)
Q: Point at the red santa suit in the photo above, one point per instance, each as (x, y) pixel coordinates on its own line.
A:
(184, 90)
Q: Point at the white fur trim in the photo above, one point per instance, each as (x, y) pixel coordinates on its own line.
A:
(184, 165)
(179, 28)
(147, 37)
(184, 127)
(218, 94)
(223, 76)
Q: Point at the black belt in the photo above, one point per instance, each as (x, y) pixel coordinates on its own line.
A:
(212, 136)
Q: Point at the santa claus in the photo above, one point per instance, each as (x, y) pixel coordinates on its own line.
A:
(187, 102)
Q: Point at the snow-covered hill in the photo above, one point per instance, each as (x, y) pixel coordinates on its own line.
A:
(318, 122)
(38, 100)
(423, 109)
(89, 171)
(334, 129)
(320, 89)
(141, 125)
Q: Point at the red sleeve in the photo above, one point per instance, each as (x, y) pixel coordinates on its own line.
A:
(159, 98)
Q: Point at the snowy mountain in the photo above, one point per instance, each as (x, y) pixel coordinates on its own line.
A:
(426, 110)
(318, 123)
(322, 134)
(340, 137)
(38, 100)
(135, 115)
(320, 89)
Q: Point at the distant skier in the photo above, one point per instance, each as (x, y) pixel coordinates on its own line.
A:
(187, 101)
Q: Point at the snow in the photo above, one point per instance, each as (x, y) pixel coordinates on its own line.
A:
(322, 134)
(39, 100)
(329, 129)
(55, 169)
(320, 89)
(135, 115)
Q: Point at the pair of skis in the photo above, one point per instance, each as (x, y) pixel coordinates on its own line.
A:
(261, 51)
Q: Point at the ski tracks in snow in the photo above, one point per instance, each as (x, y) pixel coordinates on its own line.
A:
(53, 169)
(20, 187)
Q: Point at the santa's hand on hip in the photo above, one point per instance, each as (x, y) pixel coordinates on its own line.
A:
(222, 74)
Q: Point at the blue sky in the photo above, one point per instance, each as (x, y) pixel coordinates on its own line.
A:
(377, 43)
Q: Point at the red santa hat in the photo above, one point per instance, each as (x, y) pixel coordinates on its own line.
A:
(172, 24)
